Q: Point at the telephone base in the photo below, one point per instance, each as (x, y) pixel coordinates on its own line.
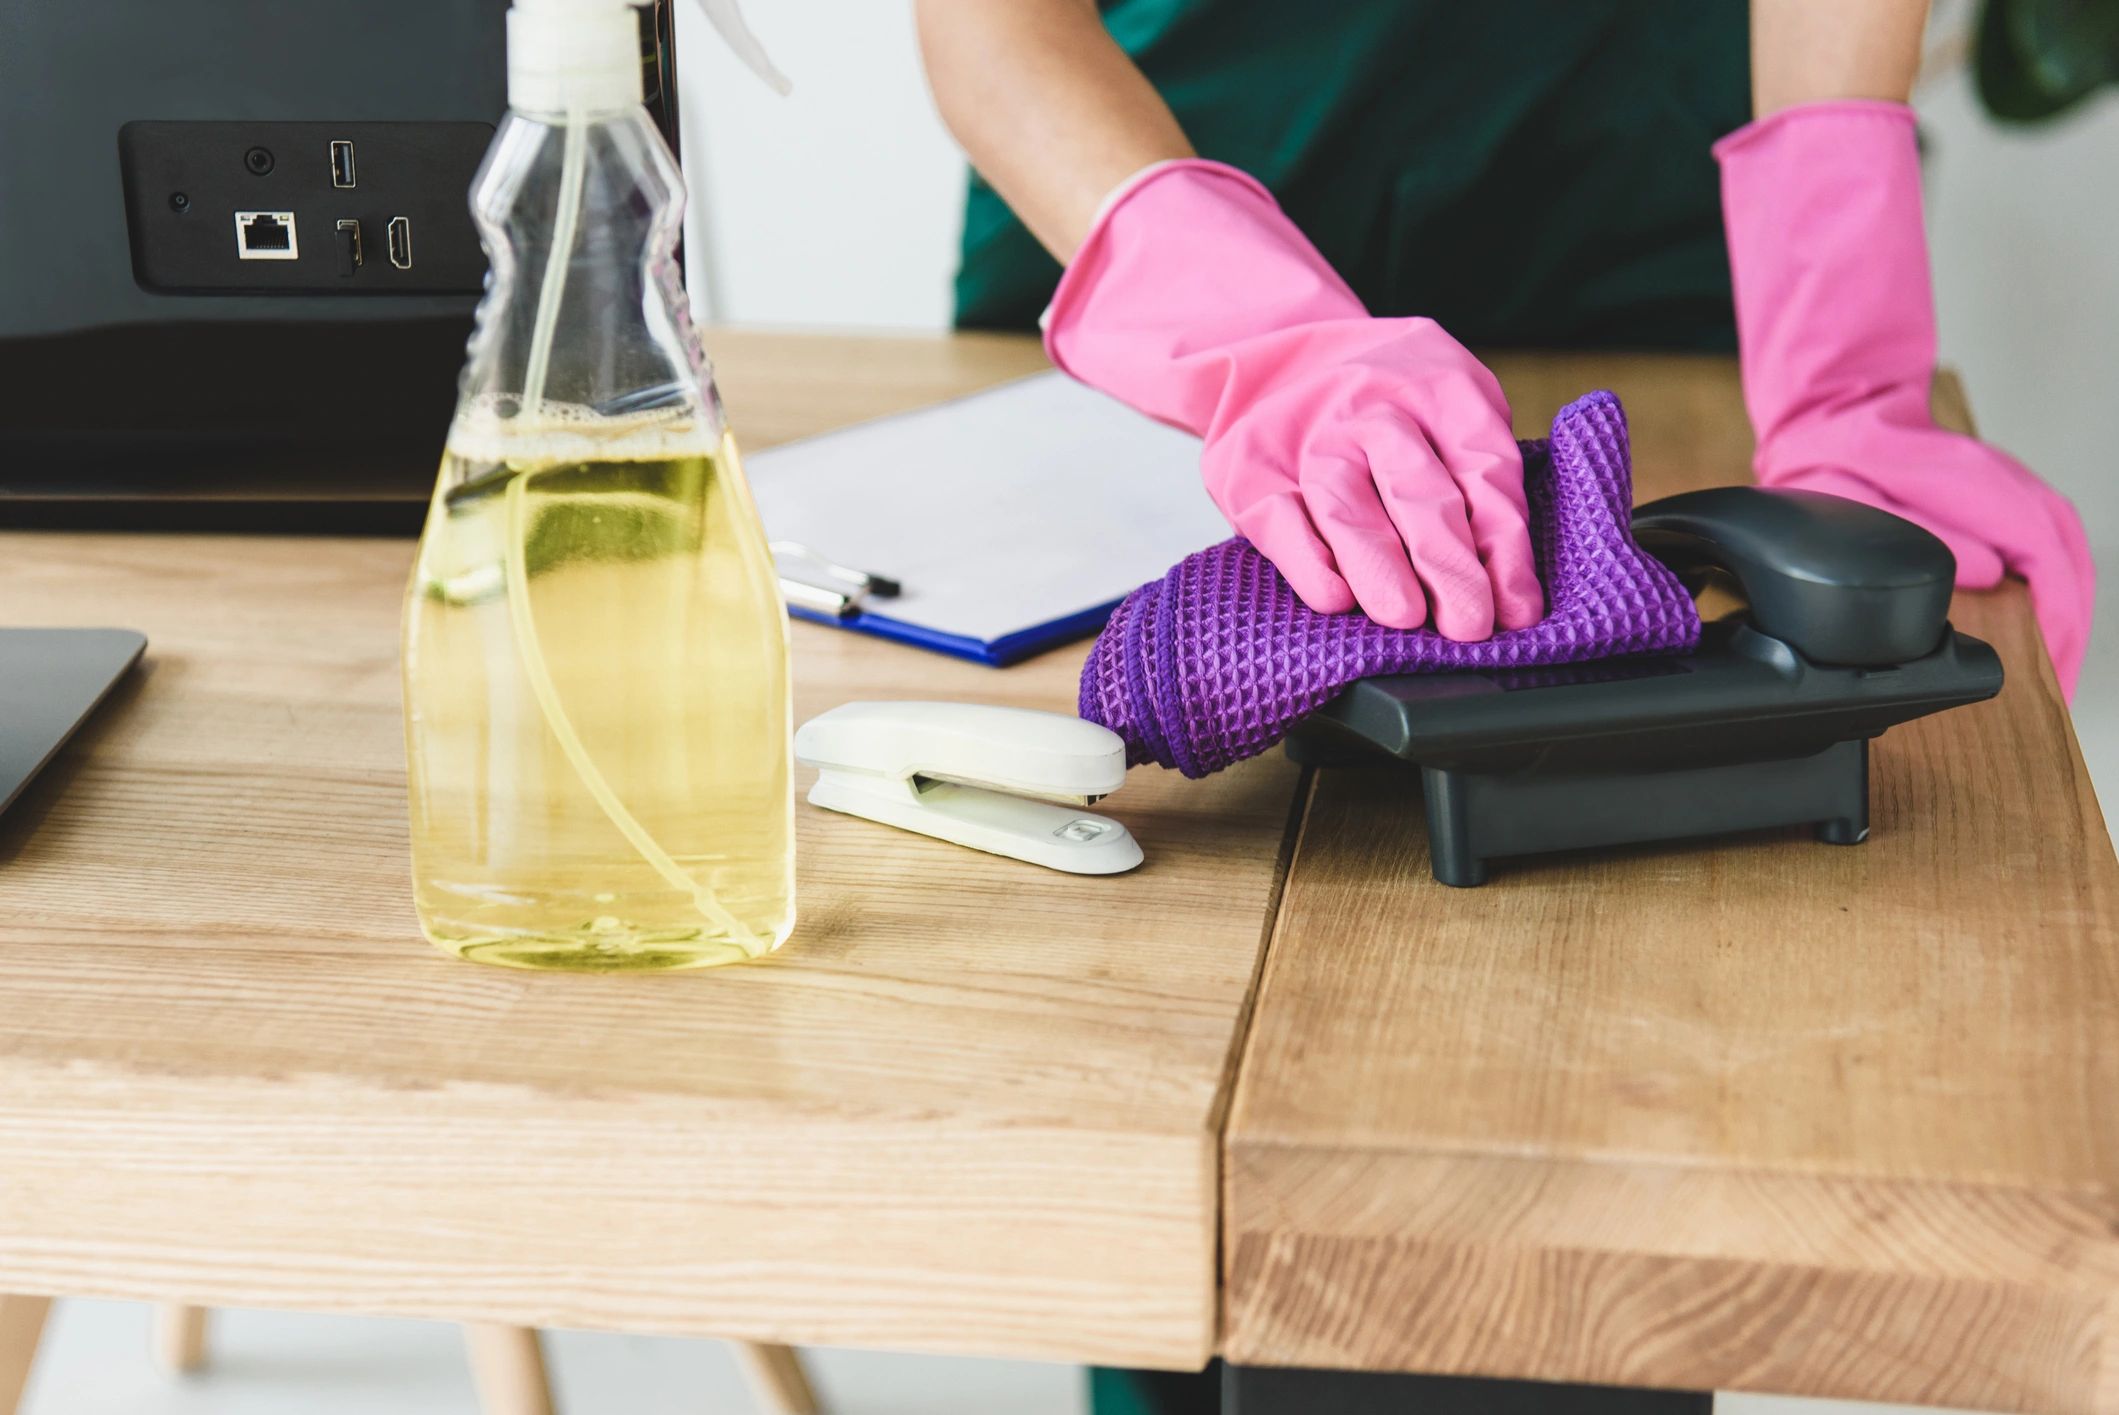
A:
(1745, 735)
(1474, 817)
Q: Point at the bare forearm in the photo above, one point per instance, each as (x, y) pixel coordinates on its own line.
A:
(1803, 51)
(1049, 108)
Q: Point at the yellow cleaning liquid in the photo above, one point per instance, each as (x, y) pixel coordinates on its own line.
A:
(597, 711)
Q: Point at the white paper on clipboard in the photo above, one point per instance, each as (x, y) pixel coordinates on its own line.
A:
(1014, 507)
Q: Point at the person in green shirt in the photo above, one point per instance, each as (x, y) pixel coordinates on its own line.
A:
(1280, 226)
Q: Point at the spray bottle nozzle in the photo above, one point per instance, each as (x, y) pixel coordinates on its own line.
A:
(570, 56)
(727, 18)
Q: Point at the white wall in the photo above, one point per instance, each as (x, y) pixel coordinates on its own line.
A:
(839, 207)
(2024, 233)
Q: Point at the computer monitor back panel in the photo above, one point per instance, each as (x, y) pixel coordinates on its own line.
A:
(183, 328)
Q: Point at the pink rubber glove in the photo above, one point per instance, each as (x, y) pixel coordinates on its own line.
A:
(1836, 323)
(1369, 459)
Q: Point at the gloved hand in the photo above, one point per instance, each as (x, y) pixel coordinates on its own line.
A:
(1836, 325)
(1369, 459)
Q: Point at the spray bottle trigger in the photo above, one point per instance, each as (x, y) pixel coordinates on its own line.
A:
(727, 17)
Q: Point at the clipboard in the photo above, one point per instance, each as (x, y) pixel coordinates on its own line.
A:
(1013, 519)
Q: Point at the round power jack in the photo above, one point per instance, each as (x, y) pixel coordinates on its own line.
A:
(258, 160)
(179, 202)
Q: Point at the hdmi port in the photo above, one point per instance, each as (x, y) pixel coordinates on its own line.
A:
(399, 236)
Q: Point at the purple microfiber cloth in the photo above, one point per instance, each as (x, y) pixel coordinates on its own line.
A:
(1215, 661)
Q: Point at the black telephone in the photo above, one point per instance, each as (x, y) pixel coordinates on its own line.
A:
(1845, 633)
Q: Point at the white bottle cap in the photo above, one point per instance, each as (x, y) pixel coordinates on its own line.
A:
(583, 56)
(573, 56)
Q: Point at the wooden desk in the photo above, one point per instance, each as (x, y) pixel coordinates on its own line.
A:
(1763, 1114)
(973, 1106)
(1757, 1115)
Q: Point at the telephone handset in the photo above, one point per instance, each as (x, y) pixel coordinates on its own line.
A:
(1844, 633)
(1837, 581)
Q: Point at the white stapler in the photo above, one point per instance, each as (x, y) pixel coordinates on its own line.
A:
(976, 775)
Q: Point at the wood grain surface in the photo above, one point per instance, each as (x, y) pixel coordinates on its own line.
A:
(1761, 1114)
(972, 1106)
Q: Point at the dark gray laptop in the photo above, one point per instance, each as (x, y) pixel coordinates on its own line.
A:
(50, 681)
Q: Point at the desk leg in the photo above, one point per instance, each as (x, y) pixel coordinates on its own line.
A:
(180, 1336)
(507, 1363)
(21, 1324)
(1260, 1390)
(776, 1378)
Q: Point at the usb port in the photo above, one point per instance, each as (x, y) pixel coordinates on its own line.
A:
(265, 235)
(399, 234)
(342, 163)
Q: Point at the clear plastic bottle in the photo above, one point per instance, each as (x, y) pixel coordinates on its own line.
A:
(595, 653)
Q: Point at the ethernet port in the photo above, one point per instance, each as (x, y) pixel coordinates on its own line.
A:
(265, 235)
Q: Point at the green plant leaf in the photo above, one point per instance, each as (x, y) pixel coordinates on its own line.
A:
(2035, 58)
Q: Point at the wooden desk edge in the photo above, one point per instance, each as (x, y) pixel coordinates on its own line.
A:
(427, 1214)
(2017, 1310)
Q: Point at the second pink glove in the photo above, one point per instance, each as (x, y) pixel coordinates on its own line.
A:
(1836, 321)
(1370, 460)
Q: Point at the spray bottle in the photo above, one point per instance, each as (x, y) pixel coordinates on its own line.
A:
(595, 651)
